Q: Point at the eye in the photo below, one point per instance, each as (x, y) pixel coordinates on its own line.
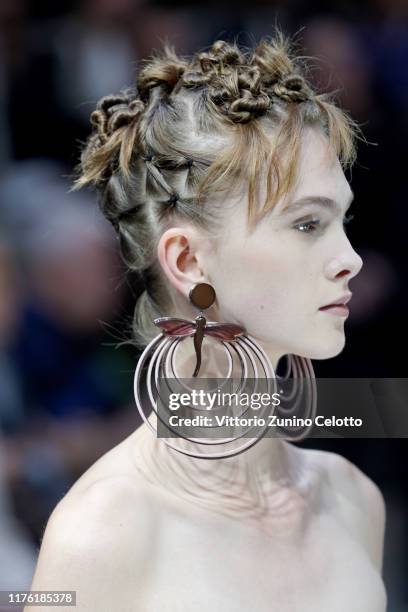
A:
(310, 226)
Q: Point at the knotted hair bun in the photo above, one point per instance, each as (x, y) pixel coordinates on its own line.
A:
(113, 112)
(244, 88)
(115, 121)
(241, 96)
(163, 72)
(221, 55)
(293, 89)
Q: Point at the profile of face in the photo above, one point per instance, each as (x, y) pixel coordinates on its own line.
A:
(274, 278)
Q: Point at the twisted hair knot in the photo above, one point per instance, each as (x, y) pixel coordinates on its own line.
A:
(220, 58)
(242, 88)
(233, 85)
(212, 64)
(292, 88)
(164, 73)
(241, 96)
(113, 112)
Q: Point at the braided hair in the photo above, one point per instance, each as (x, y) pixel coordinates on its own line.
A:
(195, 127)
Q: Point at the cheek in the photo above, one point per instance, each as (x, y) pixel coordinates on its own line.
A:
(255, 283)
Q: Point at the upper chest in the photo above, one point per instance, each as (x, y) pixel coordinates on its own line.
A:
(227, 566)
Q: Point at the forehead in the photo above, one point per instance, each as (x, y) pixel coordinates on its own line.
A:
(319, 179)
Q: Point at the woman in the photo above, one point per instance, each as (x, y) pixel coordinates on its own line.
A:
(225, 169)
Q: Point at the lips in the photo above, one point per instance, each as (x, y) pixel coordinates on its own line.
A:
(339, 310)
(332, 306)
(340, 302)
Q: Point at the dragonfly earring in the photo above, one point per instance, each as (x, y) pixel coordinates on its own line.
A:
(159, 360)
(202, 296)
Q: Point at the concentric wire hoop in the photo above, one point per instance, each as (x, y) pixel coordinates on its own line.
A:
(158, 356)
(156, 368)
(299, 398)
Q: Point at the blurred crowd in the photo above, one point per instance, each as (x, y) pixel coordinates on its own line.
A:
(66, 302)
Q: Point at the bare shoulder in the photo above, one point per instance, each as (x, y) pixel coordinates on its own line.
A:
(99, 534)
(352, 482)
(358, 501)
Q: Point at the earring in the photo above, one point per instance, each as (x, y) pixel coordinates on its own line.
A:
(159, 357)
(298, 398)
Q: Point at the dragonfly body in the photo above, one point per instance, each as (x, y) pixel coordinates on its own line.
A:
(199, 328)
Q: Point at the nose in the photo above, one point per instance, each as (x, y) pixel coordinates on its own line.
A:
(347, 262)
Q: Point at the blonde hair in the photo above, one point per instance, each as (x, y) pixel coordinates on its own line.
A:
(192, 128)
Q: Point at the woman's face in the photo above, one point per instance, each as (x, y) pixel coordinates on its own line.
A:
(273, 280)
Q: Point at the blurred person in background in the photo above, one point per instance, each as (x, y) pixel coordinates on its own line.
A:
(11, 399)
(61, 388)
(72, 284)
(17, 551)
(73, 60)
(64, 250)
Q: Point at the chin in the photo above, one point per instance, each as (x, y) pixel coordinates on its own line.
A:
(327, 348)
(328, 351)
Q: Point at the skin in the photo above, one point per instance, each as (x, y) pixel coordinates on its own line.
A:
(275, 528)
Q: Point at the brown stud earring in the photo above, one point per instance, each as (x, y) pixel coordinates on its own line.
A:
(202, 295)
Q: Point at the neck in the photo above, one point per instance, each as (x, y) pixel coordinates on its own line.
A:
(265, 476)
(267, 480)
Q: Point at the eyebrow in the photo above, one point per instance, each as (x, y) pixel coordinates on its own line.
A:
(320, 201)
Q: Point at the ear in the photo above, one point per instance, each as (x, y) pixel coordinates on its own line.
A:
(180, 252)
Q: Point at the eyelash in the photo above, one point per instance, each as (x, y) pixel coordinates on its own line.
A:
(315, 222)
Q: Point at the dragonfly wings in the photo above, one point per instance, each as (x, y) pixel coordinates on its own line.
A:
(176, 327)
(224, 331)
(181, 327)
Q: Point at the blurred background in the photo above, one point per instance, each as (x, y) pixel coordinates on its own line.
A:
(65, 300)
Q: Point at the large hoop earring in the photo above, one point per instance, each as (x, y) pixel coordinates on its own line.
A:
(298, 398)
(156, 364)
